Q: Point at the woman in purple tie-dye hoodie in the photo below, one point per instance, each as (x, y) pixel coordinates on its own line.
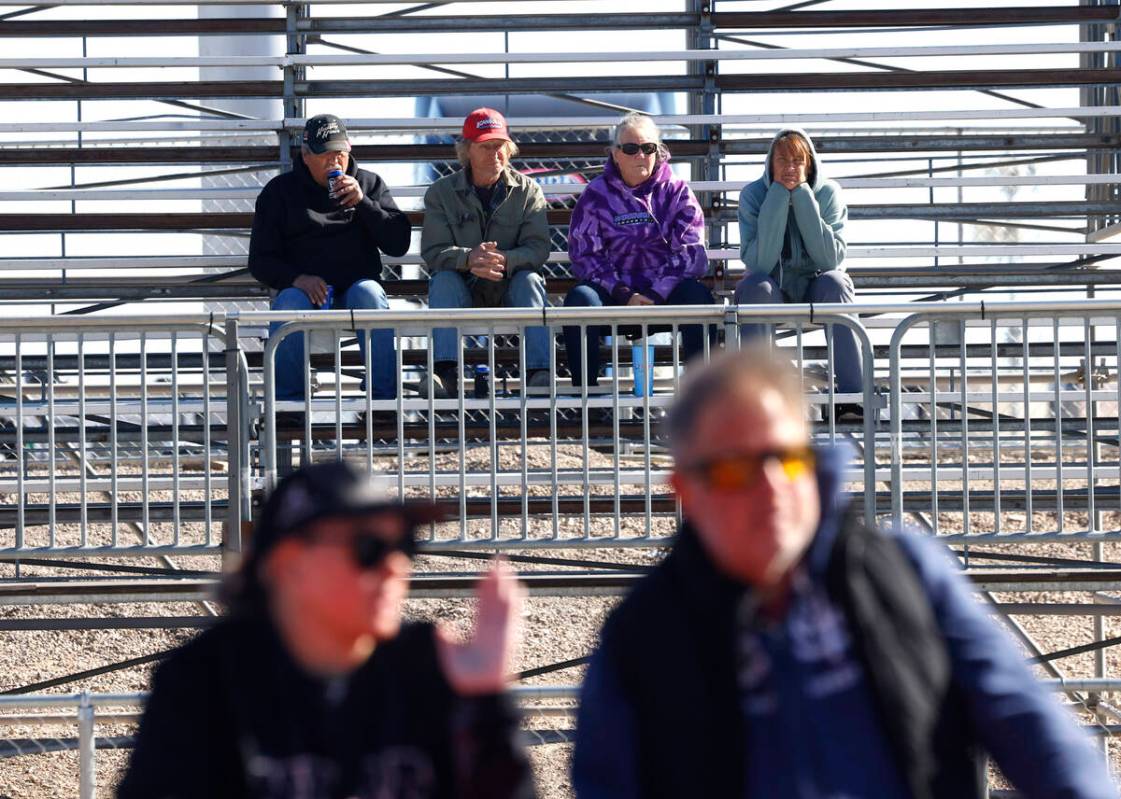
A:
(637, 238)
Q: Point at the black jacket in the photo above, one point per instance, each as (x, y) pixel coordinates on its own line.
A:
(231, 715)
(676, 629)
(663, 710)
(298, 230)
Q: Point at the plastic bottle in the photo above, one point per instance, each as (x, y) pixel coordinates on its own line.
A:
(642, 362)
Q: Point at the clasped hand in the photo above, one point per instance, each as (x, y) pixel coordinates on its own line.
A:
(487, 262)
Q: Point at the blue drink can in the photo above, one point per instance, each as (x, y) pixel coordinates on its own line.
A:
(330, 298)
(333, 181)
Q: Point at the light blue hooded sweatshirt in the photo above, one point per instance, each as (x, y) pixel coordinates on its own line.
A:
(793, 236)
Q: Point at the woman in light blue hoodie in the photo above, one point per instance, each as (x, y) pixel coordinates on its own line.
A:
(792, 224)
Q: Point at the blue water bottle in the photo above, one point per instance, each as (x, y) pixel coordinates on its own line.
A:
(329, 299)
(642, 363)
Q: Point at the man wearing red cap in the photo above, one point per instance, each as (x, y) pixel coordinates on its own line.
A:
(485, 240)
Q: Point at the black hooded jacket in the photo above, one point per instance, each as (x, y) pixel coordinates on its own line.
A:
(231, 716)
(298, 229)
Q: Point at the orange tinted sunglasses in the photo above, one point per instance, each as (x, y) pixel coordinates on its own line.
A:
(735, 472)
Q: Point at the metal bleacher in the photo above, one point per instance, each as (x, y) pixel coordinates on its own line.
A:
(978, 147)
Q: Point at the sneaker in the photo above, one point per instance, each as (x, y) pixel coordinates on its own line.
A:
(539, 378)
(432, 387)
(848, 412)
(289, 420)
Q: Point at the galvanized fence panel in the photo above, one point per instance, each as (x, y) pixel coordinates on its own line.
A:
(113, 437)
(549, 713)
(562, 464)
(553, 464)
(121, 446)
(1004, 422)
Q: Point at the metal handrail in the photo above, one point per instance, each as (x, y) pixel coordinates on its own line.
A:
(560, 189)
(395, 59)
(536, 123)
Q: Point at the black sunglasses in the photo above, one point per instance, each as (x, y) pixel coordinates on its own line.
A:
(630, 148)
(368, 550)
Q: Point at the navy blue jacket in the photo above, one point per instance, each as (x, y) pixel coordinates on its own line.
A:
(808, 726)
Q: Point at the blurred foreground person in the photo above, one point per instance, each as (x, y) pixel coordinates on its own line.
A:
(785, 649)
(314, 688)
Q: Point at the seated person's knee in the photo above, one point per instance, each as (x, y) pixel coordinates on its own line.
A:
(754, 288)
(582, 297)
(832, 286)
(292, 299)
(366, 294)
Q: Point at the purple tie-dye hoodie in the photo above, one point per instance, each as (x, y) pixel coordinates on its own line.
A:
(645, 239)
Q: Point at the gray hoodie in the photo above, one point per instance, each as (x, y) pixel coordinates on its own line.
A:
(792, 235)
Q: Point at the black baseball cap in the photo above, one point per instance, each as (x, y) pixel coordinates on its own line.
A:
(326, 132)
(332, 489)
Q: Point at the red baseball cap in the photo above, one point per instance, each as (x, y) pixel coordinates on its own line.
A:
(484, 124)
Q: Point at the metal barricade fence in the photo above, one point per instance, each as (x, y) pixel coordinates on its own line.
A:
(1004, 421)
(549, 463)
(134, 436)
(537, 465)
(114, 437)
(541, 704)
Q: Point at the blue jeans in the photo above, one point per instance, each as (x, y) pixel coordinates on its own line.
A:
(526, 289)
(831, 286)
(592, 295)
(363, 295)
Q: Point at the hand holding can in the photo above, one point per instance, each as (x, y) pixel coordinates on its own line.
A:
(333, 182)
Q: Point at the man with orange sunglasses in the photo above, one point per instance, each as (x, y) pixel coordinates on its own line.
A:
(784, 648)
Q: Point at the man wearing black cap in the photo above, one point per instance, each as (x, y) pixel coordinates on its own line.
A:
(313, 687)
(307, 238)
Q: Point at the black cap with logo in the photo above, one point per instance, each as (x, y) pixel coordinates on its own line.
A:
(326, 490)
(331, 489)
(326, 132)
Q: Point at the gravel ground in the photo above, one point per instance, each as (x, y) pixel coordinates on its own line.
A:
(557, 629)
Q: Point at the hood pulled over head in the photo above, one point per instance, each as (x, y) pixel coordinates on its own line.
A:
(813, 173)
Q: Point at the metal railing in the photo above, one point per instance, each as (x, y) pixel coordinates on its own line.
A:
(41, 711)
(116, 436)
(138, 436)
(521, 464)
(1006, 415)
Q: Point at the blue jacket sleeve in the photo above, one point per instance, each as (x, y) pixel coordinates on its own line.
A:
(604, 764)
(1036, 744)
(821, 224)
(762, 225)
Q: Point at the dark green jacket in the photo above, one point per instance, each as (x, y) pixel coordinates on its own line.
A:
(454, 224)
